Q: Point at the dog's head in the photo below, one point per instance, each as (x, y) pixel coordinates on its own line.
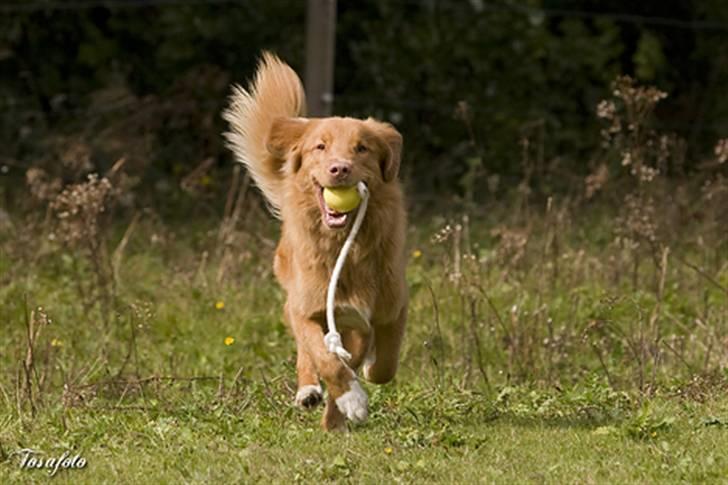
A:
(335, 152)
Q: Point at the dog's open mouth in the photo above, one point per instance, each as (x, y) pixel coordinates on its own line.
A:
(331, 218)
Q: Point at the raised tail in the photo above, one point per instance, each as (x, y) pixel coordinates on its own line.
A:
(275, 92)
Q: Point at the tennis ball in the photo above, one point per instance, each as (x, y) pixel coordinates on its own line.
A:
(342, 199)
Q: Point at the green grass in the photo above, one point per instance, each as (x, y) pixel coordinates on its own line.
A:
(511, 372)
(415, 434)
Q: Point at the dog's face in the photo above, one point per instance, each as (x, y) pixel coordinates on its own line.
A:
(335, 152)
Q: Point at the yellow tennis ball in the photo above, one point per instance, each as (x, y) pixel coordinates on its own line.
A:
(342, 199)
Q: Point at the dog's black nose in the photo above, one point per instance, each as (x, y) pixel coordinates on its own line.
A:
(340, 170)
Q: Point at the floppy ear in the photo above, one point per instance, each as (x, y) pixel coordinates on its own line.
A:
(284, 139)
(391, 153)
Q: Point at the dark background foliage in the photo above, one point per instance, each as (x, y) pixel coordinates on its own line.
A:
(465, 81)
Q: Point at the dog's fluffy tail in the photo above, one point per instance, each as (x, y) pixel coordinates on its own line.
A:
(276, 91)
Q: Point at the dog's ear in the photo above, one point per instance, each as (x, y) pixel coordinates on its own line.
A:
(284, 140)
(391, 148)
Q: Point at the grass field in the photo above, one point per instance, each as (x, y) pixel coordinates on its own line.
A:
(538, 350)
(580, 337)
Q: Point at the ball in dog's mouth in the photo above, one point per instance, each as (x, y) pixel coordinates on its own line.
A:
(332, 218)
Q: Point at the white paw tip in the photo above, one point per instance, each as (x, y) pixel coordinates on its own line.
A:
(354, 403)
(309, 396)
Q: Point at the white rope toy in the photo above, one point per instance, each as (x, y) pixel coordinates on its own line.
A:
(332, 339)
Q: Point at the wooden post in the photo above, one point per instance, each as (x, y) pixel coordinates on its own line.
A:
(320, 48)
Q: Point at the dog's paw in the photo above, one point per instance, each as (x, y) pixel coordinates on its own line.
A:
(354, 403)
(308, 397)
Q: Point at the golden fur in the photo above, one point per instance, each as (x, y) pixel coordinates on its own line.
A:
(291, 158)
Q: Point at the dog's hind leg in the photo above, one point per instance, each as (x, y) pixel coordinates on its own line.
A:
(357, 342)
(381, 366)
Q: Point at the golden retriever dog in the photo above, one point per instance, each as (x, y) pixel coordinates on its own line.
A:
(292, 159)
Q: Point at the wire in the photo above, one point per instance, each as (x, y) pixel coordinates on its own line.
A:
(619, 17)
(476, 5)
(85, 5)
(332, 339)
(479, 5)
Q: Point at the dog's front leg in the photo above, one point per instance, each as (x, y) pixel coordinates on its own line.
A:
(346, 398)
(309, 393)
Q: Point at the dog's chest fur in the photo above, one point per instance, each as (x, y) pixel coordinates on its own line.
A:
(369, 282)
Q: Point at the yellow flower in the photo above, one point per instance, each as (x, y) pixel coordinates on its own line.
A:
(388, 450)
(416, 253)
(229, 341)
(56, 343)
(219, 305)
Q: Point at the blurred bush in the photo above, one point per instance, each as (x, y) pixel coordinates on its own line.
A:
(484, 91)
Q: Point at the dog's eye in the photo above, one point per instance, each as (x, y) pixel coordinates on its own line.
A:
(361, 148)
(321, 146)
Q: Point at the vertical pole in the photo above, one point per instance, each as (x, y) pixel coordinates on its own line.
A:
(320, 46)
